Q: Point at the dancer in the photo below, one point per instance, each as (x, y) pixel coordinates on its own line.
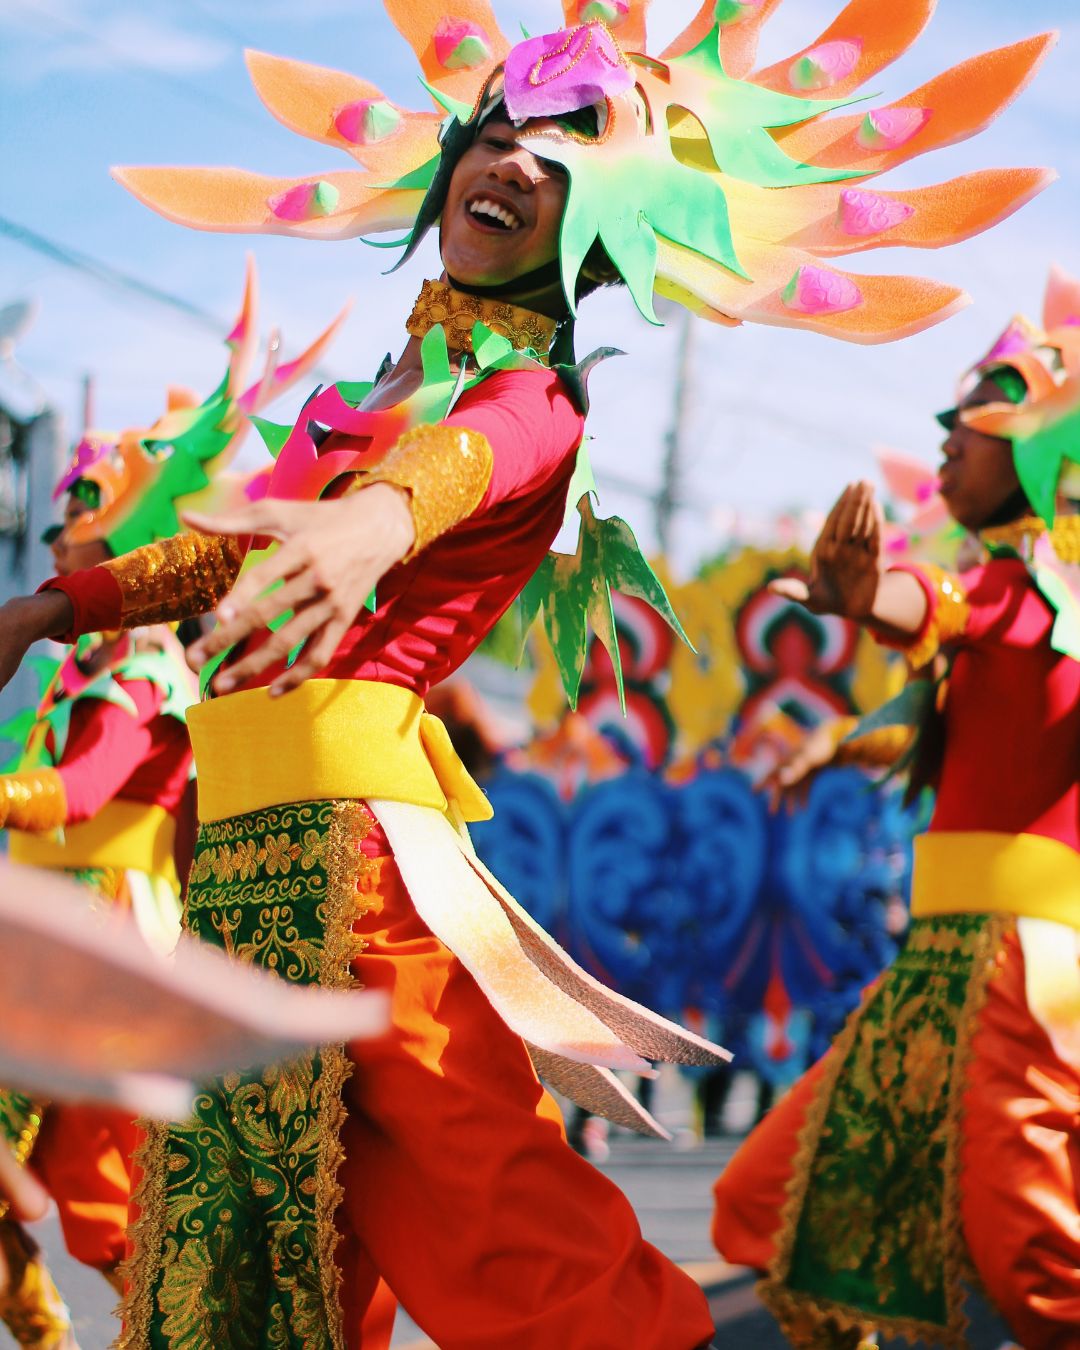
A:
(328, 847)
(100, 782)
(938, 1135)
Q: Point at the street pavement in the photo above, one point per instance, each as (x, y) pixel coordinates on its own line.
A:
(669, 1186)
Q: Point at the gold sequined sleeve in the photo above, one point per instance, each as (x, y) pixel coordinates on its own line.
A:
(947, 619)
(178, 578)
(877, 749)
(35, 800)
(443, 470)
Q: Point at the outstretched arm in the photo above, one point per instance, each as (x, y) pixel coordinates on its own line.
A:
(177, 578)
(826, 746)
(333, 553)
(848, 576)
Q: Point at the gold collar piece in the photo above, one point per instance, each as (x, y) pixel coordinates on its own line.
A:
(1022, 534)
(439, 303)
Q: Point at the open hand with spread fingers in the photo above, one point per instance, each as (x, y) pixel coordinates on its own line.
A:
(331, 556)
(847, 562)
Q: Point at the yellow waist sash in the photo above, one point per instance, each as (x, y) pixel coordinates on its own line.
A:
(122, 835)
(979, 872)
(328, 739)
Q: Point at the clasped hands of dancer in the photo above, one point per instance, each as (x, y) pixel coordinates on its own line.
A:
(848, 578)
(332, 554)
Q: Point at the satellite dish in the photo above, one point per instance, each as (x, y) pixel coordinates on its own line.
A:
(15, 319)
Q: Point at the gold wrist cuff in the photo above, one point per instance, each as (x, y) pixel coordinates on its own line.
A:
(34, 800)
(445, 471)
(178, 578)
(877, 749)
(949, 620)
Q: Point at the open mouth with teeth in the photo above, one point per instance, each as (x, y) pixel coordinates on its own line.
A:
(494, 215)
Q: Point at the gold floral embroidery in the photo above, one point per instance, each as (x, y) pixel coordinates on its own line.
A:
(235, 1242)
(870, 1233)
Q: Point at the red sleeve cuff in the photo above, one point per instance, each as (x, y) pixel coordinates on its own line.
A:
(96, 599)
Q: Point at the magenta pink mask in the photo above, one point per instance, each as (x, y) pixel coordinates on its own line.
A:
(562, 72)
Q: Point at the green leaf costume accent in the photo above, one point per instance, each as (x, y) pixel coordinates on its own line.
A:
(273, 434)
(574, 590)
(1055, 590)
(1041, 456)
(183, 461)
(737, 115)
(40, 749)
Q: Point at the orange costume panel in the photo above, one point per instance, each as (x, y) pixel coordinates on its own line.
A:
(572, 1270)
(83, 1155)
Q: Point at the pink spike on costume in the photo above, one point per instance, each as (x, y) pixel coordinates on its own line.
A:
(367, 121)
(734, 11)
(1061, 307)
(863, 213)
(814, 290)
(611, 12)
(305, 201)
(890, 128)
(461, 45)
(1018, 337)
(825, 65)
(244, 337)
(92, 448)
(561, 72)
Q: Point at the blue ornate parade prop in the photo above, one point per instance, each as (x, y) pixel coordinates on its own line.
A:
(693, 896)
(640, 841)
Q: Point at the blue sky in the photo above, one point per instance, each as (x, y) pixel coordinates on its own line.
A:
(777, 419)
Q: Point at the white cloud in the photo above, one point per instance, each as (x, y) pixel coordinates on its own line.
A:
(62, 35)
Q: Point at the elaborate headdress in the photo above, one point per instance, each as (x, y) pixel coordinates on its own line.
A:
(1044, 426)
(679, 183)
(136, 482)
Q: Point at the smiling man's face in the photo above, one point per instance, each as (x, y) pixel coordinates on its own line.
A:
(503, 210)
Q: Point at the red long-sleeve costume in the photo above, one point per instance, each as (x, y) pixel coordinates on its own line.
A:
(1012, 747)
(448, 1108)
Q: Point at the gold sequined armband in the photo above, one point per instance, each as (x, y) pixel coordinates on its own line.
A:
(34, 800)
(445, 470)
(948, 621)
(877, 749)
(178, 578)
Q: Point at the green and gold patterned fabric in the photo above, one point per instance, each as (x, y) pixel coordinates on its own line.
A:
(870, 1234)
(234, 1242)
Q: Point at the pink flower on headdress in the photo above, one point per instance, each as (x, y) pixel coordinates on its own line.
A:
(460, 44)
(562, 72)
(825, 65)
(864, 213)
(90, 451)
(813, 290)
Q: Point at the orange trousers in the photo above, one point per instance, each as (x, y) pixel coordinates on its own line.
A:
(1019, 1177)
(460, 1189)
(83, 1157)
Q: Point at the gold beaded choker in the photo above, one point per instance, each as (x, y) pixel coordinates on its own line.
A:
(439, 303)
(1022, 534)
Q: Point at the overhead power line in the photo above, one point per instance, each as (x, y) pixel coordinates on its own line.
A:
(107, 275)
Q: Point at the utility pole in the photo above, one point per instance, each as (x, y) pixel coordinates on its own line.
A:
(667, 500)
(87, 403)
